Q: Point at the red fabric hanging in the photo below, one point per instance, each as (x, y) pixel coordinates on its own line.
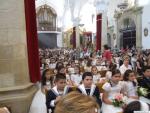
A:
(32, 41)
(74, 37)
(99, 32)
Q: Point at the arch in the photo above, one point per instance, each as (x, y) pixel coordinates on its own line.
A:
(127, 32)
(48, 7)
(46, 18)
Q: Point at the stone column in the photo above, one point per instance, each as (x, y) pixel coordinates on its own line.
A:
(138, 13)
(76, 22)
(104, 29)
(77, 37)
(16, 91)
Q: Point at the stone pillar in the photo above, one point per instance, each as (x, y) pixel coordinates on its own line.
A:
(77, 37)
(104, 29)
(138, 14)
(16, 91)
(76, 22)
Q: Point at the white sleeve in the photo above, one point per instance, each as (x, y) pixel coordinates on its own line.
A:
(106, 87)
(52, 103)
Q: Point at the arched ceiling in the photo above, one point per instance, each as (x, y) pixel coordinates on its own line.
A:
(70, 11)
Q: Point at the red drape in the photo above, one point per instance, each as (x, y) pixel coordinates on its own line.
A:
(99, 32)
(32, 41)
(74, 37)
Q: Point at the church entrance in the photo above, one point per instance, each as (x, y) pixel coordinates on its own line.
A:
(128, 34)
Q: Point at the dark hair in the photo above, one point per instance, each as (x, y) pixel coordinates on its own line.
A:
(89, 62)
(133, 106)
(59, 76)
(86, 74)
(106, 47)
(146, 68)
(78, 68)
(112, 67)
(59, 68)
(116, 71)
(58, 65)
(43, 81)
(126, 76)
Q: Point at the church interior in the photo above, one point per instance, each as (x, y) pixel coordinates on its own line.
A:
(44, 42)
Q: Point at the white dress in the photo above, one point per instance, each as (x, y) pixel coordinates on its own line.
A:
(112, 91)
(38, 103)
(130, 90)
(76, 78)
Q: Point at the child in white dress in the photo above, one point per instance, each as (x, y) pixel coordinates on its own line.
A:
(76, 78)
(111, 89)
(130, 85)
(96, 75)
(38, 104)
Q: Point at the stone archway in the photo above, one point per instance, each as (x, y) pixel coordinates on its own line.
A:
(134, 16)
(128, 33)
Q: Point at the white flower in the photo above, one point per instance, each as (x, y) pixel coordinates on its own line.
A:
(142, 91)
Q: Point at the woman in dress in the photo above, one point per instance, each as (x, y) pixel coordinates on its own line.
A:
(111, 89)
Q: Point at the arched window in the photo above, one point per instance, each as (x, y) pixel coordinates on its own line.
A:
(46, 17)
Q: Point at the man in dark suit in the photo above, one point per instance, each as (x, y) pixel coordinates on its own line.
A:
(145, 80)
(88, 88)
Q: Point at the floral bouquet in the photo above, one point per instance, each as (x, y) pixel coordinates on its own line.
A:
(118, 100)
(142, 91)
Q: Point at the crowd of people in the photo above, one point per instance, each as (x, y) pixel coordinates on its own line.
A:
(71, 78)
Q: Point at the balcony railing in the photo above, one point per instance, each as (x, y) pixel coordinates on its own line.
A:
(49, 29)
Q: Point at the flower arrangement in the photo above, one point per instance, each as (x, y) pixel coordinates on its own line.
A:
(142, 91)
(118, 100)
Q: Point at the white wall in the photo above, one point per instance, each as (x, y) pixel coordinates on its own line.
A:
(59, 40)
(146, 24)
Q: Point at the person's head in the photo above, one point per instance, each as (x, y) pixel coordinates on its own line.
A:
(77, 69)
(116, 76)
(146, 71)
(46, 75)
(73, 63)
(61, 69)
(46, 66)
(129, 75)
(59, 64)
(136, 106)
(94, 70)
(112, 67)
(126, 60)
(76, 102)
(89, 62)
(52, 60)
(60, 81)
(106, 47)
(87, 79)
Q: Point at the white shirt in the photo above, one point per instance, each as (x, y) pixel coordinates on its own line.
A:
(123, 68)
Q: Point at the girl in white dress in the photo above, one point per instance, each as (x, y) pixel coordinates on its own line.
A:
(111, 89)
(38, 103)
(76, 78)
(131, 85)
(96, 75)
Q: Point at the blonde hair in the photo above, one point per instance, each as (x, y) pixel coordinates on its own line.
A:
(76, 102)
